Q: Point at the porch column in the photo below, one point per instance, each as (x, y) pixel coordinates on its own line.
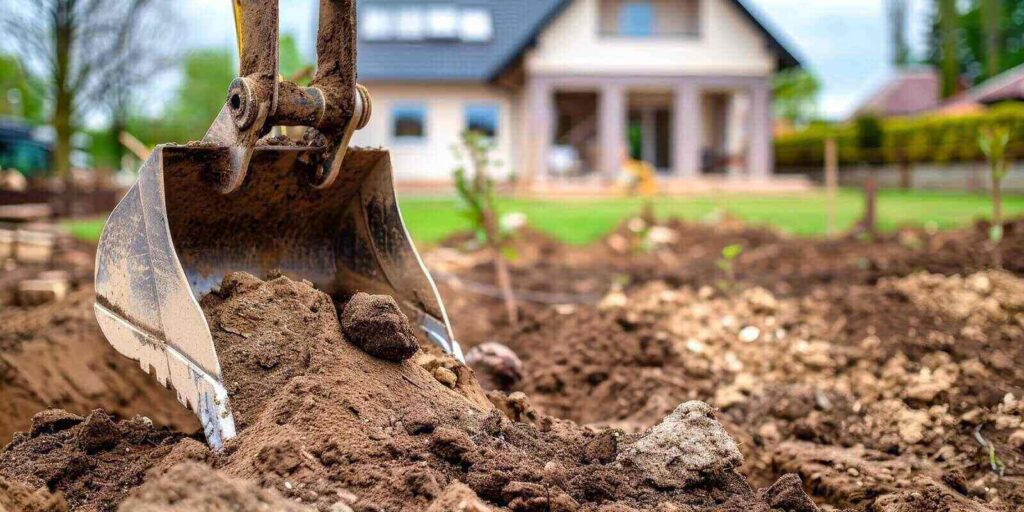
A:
(539, 128)
(686, 131)
(761, 157)
(611, 130)
(648, 139)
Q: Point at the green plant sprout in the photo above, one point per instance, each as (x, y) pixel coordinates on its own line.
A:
(993, 141)
(727, 264)
(479, 206)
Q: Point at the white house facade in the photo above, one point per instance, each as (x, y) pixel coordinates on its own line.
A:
(570, 89)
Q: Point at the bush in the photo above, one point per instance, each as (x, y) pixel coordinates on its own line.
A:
(920, 139)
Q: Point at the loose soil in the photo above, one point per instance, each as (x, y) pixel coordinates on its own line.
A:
(330, 427)
(879, 375)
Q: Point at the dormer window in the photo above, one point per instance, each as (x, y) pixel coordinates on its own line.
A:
(416, 22)
(649, 18)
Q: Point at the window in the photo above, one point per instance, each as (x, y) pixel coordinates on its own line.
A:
(411, 24)
(443, 22)
(377, 24)
(636, 19)
(476, 25)
(482, 119)
(409, 122)
(422, 22)
(650, 18)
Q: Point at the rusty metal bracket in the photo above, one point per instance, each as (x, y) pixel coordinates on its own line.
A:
(259, 100)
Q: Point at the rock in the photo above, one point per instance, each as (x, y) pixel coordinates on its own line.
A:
(684, 448)
(1017, 440)
(749, 334)
(788, 494)
(375, 324)
(496, 365)
(445, 376)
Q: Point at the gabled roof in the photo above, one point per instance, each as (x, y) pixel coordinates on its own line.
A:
(1006, 86)
(517, 25)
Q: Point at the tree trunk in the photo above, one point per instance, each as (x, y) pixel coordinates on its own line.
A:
(63, 99)
(949, 19)
(990, 19)
(906, 176)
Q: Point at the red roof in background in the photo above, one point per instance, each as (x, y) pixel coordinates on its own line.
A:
(912, 91)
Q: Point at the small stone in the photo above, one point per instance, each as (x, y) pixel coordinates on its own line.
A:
(445, 376)
(749, 334)
(339, 506)
(1017, 440)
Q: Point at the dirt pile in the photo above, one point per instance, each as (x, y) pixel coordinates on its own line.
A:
(55, 356)
(898, 384)
(92, 462)
(330, 427)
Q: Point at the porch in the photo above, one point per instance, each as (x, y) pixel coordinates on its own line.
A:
(579, 130)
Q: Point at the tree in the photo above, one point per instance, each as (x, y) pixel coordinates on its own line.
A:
(795, 93)
(990, 15)
(898, 32)
(948, 23)
(988, 38)
(78, 46)
(20, 92)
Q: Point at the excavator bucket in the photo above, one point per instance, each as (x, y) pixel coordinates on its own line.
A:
(174, 236)
(246, 200)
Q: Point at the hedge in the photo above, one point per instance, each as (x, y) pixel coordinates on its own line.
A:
(933, 139)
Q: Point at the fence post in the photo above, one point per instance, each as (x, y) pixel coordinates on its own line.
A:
(831, 185)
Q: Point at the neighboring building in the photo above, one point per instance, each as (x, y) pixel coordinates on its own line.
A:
(568, 88)
(1006, 86)
(911, 91)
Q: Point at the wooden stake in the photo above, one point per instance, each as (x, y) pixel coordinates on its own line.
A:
(831, 185)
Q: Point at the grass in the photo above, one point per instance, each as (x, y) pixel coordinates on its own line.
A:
(581, 221)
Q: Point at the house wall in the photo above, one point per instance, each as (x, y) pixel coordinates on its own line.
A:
(431, 159)
(728, 45)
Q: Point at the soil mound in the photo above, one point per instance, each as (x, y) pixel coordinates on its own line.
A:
(328, 427)
(55, 356)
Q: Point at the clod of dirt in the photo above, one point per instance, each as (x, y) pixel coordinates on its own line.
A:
(192, 486)
(686, 447)
(787, 494)
(98, 432)
(375, 324)
(457, 497)
(52, 421)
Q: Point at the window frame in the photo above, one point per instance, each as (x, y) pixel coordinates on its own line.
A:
(424, 114)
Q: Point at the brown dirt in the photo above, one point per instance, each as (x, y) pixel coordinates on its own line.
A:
(844, 361)
(337, 429)
(55, 356)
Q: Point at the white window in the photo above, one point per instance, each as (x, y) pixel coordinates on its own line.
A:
(377, 24)
(412, 24)
(476, 25)
(443, 22)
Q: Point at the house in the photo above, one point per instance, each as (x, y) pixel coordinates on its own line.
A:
(911, 91)
(1006, 86)
(570, 88)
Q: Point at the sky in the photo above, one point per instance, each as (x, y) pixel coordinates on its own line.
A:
(844, 42)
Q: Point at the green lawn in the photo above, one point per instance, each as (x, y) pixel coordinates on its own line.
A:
(581, 221)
